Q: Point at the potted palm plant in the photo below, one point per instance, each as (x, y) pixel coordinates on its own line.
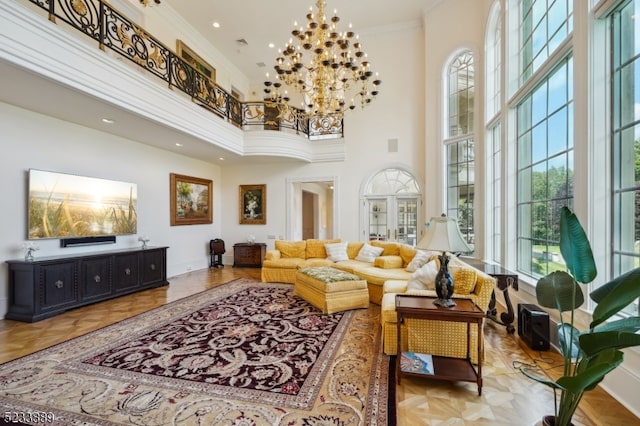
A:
(591, 354)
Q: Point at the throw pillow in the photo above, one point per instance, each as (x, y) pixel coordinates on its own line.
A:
(421, 258)
(424, 278)
(390, 248)
(464, 280)
(316, 248)
(337, 252)
(291, 248)
(368, 253)
(353, 248)
(407, 252)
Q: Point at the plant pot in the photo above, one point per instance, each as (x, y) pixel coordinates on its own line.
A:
(551, 421)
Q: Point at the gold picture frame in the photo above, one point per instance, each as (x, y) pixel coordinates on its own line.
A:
(191, 200)
(193, 59)
(253, 204)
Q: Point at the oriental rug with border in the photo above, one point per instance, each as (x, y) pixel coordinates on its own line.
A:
(246, 353)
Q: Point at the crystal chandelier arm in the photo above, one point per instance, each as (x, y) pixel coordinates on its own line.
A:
(335, 64)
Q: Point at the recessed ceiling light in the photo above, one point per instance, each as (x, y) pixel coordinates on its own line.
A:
(108, 120)
(271, 45)
(221, 158)
(216, 25)
(178, 144)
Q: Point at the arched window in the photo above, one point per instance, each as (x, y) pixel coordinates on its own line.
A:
(459, 142)
(391, 199)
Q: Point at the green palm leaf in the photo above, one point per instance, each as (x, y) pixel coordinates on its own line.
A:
(575, 248)
(560, 291)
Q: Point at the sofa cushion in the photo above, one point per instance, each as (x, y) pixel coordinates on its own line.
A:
(315, 262)
(283, 263)
(388, 262)
(353, 249)
(377, 276)
(407, 253)
(390, 248)
(294, 249)
(464, 280)
(424, 278)
(337, 252)
(349, 265)
(316, 249)
(368, 253)
(420, 259)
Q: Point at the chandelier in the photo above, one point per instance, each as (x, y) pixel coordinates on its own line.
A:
(326, 67)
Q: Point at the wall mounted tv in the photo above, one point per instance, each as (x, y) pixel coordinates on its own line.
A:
(67, 206)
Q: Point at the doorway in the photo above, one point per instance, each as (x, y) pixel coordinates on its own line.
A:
(311, 207)
(391, 200)
(309, 211)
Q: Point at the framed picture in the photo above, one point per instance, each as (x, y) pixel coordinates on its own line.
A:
(253, 204)
(195, 61)
(191, 200)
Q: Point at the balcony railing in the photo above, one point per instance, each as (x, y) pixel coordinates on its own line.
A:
(113, 30)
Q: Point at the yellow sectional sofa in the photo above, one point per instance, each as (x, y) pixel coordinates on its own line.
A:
(436, 337)
(282, 263)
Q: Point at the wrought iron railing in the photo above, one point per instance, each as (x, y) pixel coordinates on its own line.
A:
(113, 30)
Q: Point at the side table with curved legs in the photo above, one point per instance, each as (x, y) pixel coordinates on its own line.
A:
(505, 279)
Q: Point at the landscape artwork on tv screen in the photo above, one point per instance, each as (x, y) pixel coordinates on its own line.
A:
(65, 206)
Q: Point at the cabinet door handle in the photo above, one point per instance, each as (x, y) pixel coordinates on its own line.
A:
(59, 284)
(97, 278)
(152, 266)
(127, 271)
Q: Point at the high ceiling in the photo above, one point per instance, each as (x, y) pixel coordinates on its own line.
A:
(260, 22)
(257, 22)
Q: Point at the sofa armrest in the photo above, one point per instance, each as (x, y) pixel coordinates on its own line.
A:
(272, 255)
(485, 285)
(395, 286)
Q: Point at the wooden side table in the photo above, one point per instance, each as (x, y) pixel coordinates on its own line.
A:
(505, 279)
(249, 255)
(444, 368)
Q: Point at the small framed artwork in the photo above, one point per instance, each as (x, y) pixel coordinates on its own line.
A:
(195, 61)
(191, 200)
(253, 204)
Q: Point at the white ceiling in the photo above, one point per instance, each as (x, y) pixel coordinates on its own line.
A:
(256, 21)
(261, 22)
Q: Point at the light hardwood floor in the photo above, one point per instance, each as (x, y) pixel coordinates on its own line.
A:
(508, 398)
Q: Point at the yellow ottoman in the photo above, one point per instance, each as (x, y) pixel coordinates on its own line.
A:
(331, 290)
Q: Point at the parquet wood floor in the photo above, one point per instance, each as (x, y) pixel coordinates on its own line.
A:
(508, 398)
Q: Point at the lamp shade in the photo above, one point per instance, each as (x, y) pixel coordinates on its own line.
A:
(443, 234)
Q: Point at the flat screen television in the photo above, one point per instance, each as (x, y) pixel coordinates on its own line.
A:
(66, 206)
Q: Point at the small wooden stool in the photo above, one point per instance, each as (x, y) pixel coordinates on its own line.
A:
(331, 290)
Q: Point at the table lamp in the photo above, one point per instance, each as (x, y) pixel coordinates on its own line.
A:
(444, 235)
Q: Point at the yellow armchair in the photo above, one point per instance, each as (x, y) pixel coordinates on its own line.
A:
(441, 338)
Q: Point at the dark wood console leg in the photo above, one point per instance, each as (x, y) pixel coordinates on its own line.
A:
(509, 316)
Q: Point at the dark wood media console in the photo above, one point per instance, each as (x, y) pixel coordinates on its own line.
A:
(48, 286)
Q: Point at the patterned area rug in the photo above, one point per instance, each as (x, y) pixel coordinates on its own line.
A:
(244, 353)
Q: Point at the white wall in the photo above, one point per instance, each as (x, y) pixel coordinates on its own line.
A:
(398, 113)
(31, 140)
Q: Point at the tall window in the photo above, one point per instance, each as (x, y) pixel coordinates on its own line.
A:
(544, 132)
(545, 170)
(626, 140)
(495, 183)
(543, 27)
(493, 148)
(460, 143)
